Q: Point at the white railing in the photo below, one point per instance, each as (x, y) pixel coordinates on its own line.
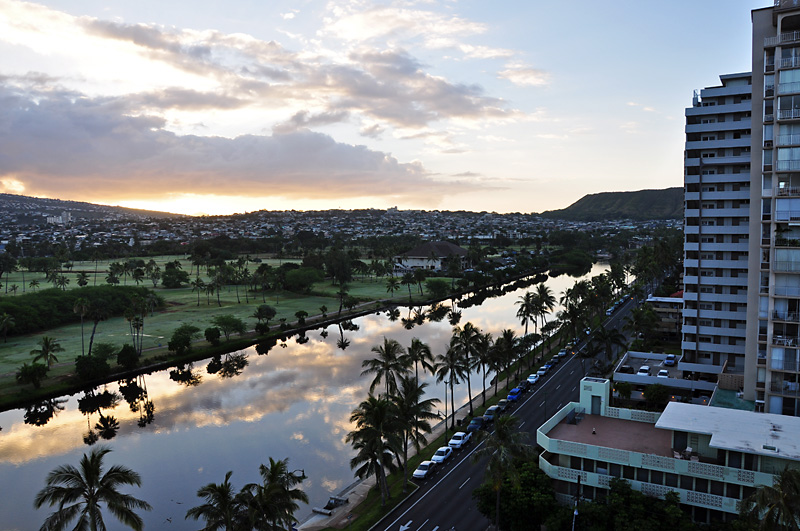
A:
(788, 114)
(782, 38)
(786, 88)
(790, 62)
(788, 165)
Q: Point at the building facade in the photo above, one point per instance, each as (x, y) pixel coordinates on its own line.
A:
(772, 373)
(711, 457)
(716, 231)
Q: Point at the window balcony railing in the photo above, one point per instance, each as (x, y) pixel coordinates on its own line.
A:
(788, 165)
(787, 215)
(788, 88)
(787, 291)
(769, 117)
(788, 140)
(783, 38)
(786, 266)
(785, 341)
(783, 365)
(787, 242)
(790, 62)
(787, 191)
(785, 388)
(793, 317)
(788, 114)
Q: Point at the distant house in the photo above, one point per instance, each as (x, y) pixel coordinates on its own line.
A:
(430, 256)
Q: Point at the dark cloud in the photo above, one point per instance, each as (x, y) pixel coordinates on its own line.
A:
(373, 131)
(84, 148)
(304, 120)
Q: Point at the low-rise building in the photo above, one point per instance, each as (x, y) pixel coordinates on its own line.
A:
(711, 457)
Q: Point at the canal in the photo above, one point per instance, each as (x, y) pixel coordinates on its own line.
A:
(183, 430)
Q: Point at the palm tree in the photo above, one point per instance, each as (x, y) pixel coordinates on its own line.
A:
(98, 311)
(33, 284)
(223, 508)
(375, 440)
(468, 342)
(450, 368)
(483, 359)
(83, 278)
(608, 338)
(506, 350)
(6, 324)
(419, 353)
(80, 307)
(503, 446)
(775, 506)
(389, 363)
(413, 415)
(274, 501)
(546, 301)
(527, 310)
(392, 285)
(198, 285)
(48, 348)
(408, 280)
(79, 492)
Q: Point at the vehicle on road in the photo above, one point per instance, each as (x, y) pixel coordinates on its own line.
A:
(533, 378)
(670, 360)
(663, 373)
(424, 470)
(459, 440)
(442, 454)
(490, 414)
(514, 394)
(524, 386)
(478, 423)
(644, 370)
(547, 366)
(503, 404)
(541, 372)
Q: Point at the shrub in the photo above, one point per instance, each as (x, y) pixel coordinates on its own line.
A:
(89, 368)
(212, 335)
(128, 357)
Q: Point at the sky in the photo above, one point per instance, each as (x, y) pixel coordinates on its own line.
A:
(207, 107)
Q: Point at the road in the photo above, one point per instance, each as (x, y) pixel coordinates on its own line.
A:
(444, 501)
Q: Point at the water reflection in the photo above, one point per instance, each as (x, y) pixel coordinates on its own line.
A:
(186, 427)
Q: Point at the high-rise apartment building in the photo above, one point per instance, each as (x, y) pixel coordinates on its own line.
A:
(716, 231)
(773, 335)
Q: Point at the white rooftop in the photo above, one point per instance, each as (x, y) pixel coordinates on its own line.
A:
(737, 430)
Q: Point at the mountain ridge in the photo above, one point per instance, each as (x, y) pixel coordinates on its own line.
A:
(666, 203)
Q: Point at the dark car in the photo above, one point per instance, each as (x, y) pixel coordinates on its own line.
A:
(490, 414)
(627, 369)
(524, 386)
(669, 361)
(478, 423)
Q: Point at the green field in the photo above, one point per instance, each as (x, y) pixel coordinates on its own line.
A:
(181, 306)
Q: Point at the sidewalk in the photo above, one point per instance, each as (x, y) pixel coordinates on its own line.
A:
(358, 492)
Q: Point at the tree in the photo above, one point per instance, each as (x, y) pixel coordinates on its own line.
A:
(181, 341)
(31, 374)
(503, 447)
(775, 506)
(6, 324)
(173, 278)
(609, 338)
(98, 311)
(419, 353)
(212, 335)
(437, 288)
(223, 509)
(80, 493)
(198, 285)
(128, 357)
(229, 324)
(275, 500)
(468, 343)
(408, 280)
(527, 310)
(413, 415)
(48, 348)
(392, 285)
(376, 441)
(546, 301)
(89, 368)
(81, 307)
(389, 363)
(83, 279)
(303, 279)
(450, 368)
(656, 395)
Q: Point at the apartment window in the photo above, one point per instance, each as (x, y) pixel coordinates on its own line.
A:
(708, 155)
(709, 171)
(706, 289)
(705, 322)
(708, 121)
(705, 339)
(708, 138)
(707, 273)
(707, 239)
(705, 306)
(708, 222)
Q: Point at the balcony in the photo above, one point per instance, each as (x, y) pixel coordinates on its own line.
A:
(788, 140)
(783, 38)
(786, 266)
(787, 215)
(785, 341)
(787, 291)
(788, 88)
(790, 62)
(789, 114)
(783, 365)
(788, 191)
(787, 242)
(791, 317)
(785, 388)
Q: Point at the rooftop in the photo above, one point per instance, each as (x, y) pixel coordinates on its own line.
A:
(733, 429)
(629, 435)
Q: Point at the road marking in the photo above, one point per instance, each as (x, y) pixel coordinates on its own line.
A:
(574, 388)
(423, 524)
(435, 528)
(543, 403)
(465, 482)
(407, 526)
(571, 372)
(521, 424)
(558, 387)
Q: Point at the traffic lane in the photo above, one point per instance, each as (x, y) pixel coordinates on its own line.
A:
(447, 499)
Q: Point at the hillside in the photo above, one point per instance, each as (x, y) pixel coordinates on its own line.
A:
(32, 210)
(641, 205)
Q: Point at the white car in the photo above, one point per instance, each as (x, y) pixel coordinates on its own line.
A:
(533, 378)
(663, 373)
(644, 370)
(424, 470)
(459, 440)
(442, 454)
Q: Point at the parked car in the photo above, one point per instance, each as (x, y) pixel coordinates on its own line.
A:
(533, 378)
(627, 369)
(670, 360)
(459, 440)
(514, 395)
(424, 470)
(478, 423)
(547, 366)
(541, 372)
(491, 413)
(503, 404)
(524, 386)
(663, 373)
(442, 454)
(644, 370)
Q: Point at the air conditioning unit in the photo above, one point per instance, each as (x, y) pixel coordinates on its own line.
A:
(767, 143)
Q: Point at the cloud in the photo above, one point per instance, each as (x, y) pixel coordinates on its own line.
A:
(61, 146)
(525, 76)
(372, 131)
(304, 120)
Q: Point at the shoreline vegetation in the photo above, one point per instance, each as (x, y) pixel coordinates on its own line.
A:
(296, 313)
